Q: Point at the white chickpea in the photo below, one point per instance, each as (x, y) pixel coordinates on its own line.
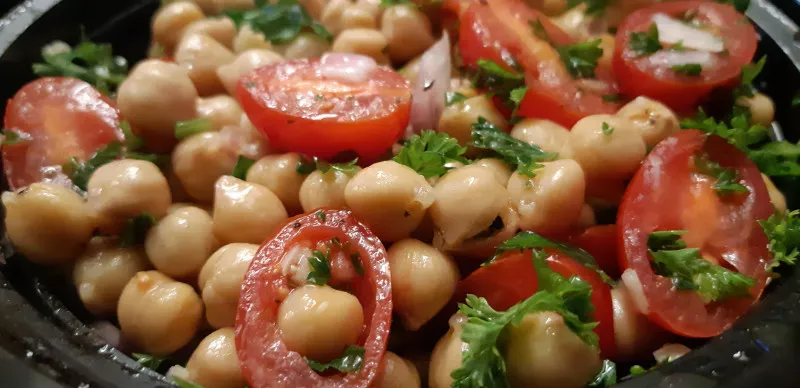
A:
(762, 109)
(198, 161)
(607, 147)
(157, 314)
(324, 190)
(389, 197)
(201, 55)
(652, 119)
(214, 363)
(775, 196)
(373, 6)
(279, 174)
(249, 39)
(213, 7)
(549, 136)
(319, 322)
(47, 223)
(102, 272)
(220, 29)
(306, 45)
(457, 119)
(245, 212)
(170, 21)
(180, 243)
(446, 356)
(398, 373)
(246, 62)
(423, 281)
(544, 352)
(634, 334)
(552, 200)
(408, 31)
(483, 245)
(221, 111)
(142, 100)
(124, 189)
(339, 15)
(607, 44)
(500, 169)
(220, 281)
(363, 41)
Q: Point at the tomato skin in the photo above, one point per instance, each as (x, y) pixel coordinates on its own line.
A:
(64, 117)
(299, 111)
(637, 77)
(600, 242)
(265, 360)
(726, 230)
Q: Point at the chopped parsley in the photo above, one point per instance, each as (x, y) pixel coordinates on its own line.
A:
(88, 61)
(749, 73)
(184, 129)
(783, 232)
(612, 98)
(777, 158)
(320, 268)
(739, 132)
(11, 137)
(390, 3)
(148, 361)
(320, 214)
(430, 153)
(243, 164)
(607, 129)
(505, 84)
(580, 59)
(80, 172)
(524, 156)
(135, 230)
(132, 142)
(454, 98)
(645, 43)
(726, 179)
(689, 69)
(350, 361)
(280, 22)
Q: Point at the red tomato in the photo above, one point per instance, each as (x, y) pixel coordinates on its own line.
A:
(300, 110)
(265, 360)
(601, 242)
(639, 76)
(500, 30)
(666, 194)
(61, 118)
(512, 279)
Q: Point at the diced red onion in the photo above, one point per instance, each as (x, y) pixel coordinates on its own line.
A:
(108, 332)
(347, 67)
(634, 286)
(673, 31)
(670, 352)
(430, 87)
(676, 58)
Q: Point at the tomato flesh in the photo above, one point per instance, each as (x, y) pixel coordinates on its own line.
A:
(600, 242)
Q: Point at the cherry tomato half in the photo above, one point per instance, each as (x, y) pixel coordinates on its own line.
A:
(299, 109)
(647, 75)
(667, 194)
(600, 242)
(265, 360)
(57, 118)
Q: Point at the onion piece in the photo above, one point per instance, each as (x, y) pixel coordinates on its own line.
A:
(107, 331)
(676, 58)
(347, 67)
(433, 80)
(634, 286)
(670, 352)
(673, 31)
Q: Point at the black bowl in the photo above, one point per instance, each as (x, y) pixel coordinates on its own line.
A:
(44, 328)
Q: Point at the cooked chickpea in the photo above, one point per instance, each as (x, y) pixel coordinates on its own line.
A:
(279, 174)
(457, 119)
(126, 188)
(549, 136)
(500, 169)
(306, 45)
(157, 314)
(214, 363)
(220, 29)
(446, 356)
(483, 245)
(544, 352)
(180, 243)
(398, 373)
(170, 21)
(201, 55)
(246, 62)
(47, 223)
(221, 110)
(762, 109)
(249, 39)
(213, 7)
(198, 161)
(607, 44)
(607, 147)
(634, 335)
(552, 200)
(408, 31)
(245, 212)
(339, 15)
(324, 190)
(363, 41)
(653, 120)
(142, 100)
(220, 281)
(102, 272)
(775, 196)
(319, 322)
(423, 281)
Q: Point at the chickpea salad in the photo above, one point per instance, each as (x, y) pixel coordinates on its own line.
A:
(398, 193)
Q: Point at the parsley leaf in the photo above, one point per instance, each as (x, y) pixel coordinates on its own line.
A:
(645, 43)
(740, 5)
(243, 164)
(607, 129)
(280, 22)
(606, 377)
(796, 100)
(592, 6)
(689, 69)
(389, 3)
(80, 172)
(451, 98)
(727, 179)
(612, 98)
(500, 82)
(783, 232)
(739, 132)
(526, 157)
(666, 240)
(350, 361)
(132, 142)
(184, 129)
(580, 59)
(148, 361)
(320, 268)
(749, 73)
(11, 137)
(429, 153)
(322, 216)
(88, 61)
(135, 230)
(777, 159)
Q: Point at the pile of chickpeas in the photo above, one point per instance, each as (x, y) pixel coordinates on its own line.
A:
(183, 282)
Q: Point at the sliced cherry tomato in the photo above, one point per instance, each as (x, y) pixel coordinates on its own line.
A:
(647, 75)
(668, 194)
(265, 360)
(512, 279)
(57, 118)
(601, 242)
(299, 109)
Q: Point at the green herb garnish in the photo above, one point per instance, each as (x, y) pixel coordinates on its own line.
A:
(430, 153)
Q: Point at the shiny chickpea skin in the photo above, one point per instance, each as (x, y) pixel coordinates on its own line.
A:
(423, 281)
(634, 334)
(220, 29)
(762, 109)
(103, 270)
(398, 373)
(552, 200)
(221, 111)
(198, 161)
(157, 314)
(483, 245)
(220, 281)
(363, 41)
(549, 136)
(544, 352)
(498, 167)
(338, 15)
(171, 20)
(201, 55)
(152, 112)
(246, 62)
(245, 212)
(279, 174)
(613, 153)
(249, 39)
(126, 188)
(213, 7)
(607, 43)
(47, 223)
(319, 322)
(408, 31)
(775, 196)
(306, 45)
(652, 119)
(457, 119)
(324, 190)
(214, 363)
(180, 243)
(446, 356)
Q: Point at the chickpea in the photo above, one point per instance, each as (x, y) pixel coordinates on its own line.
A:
(775, 196)
(201, 55)
(670, 352)
(607, 44)
(198, 161)
(549, 136)
(279, 174)
(652, 119)
(482, 245)
(324, 190)
(423, 281)
(124, 189)
(408, 31)
(245, 212)
(220, 29)
(306, 45)
(457, 119)
(339, 15)
(762, 109)
(249, 39)
(213, 7)
(214, 363)
(587, 217)
(157, 314)
(319, 322)
(374, 7)
(543, 352)
(398, 373)
(613, 153)
(47, 223)
(170, 21)
(221, 110)
(181, 242)
(500, 169)
(363, 41)
(634, 334)
(247, 61)
(142, 100)
(102, 271)
(552, 200)
(446, 356)
(247, 139)
(220, 281)
(314, 7)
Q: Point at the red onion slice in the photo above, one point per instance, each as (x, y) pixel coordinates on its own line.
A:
(433, 80)
(107, 331)
(634, 286)
(673, 31)
(347, 67)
